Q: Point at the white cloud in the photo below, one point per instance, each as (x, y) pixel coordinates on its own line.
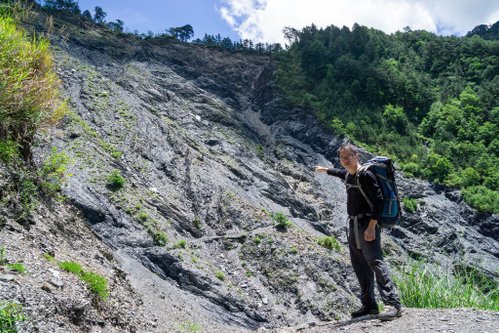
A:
(263, 20)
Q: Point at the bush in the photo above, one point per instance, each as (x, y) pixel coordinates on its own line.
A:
(115, 180)
(282, 220)
(53, 172)
(410, 204)
(329, 242)
(29, 93)
(220, 275)
(8, 150)
(160, 237)
(181, 244)
(28, 195)
(10, 315)
(482, 198)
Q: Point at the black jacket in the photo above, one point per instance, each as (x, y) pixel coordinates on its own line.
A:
(356, 204)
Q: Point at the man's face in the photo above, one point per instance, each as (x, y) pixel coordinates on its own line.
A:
(348, 158)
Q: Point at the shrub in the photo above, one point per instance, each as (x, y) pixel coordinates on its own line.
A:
(482, 198)
(282, 221)
(220, 275)
(143, 216)
(53, 172)
(411, 169)
(410, 204)
(115, 180)
(28, 195)
(3, 255)
(8, 150)
(160, 237)
(10, 315)
(181, 244)
(29, 93)
(329, 242)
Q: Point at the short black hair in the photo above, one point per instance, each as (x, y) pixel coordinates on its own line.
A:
(349, 146)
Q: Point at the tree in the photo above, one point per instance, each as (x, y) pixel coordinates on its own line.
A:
(86, 15)
(99, 15)
(62, 5)
(116, 27)
(396, 118)
(183, 33)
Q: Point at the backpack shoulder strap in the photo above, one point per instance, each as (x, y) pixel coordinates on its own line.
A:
(361, 171)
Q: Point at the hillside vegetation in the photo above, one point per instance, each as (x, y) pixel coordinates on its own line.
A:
(430, 102)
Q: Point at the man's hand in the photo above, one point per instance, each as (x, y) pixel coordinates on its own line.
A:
(370, 233)
(319, 168)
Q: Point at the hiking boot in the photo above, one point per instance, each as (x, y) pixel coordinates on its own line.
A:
(364, 311)
(390, 313)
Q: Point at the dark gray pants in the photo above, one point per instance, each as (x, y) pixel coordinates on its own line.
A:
(368, 262)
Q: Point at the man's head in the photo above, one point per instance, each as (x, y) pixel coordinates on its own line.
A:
(349, 156)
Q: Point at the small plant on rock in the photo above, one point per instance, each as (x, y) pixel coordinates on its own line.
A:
(71, 266)
(115, 180)
(3, 255)
(181, 244)
(10, 314)
(220, 275)
(410, 204)
(96, 283)
(329, 242)
(282, 221)
(17, 267)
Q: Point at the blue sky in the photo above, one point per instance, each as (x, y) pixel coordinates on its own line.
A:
(159, 15)
(263, 20)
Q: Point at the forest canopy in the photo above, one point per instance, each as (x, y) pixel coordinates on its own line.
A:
(429, 102)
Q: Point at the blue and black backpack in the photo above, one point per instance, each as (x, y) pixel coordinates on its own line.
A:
(383, 169)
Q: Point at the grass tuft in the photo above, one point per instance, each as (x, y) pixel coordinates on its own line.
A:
(422, 286)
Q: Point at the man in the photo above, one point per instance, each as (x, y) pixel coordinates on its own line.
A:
(364, 235)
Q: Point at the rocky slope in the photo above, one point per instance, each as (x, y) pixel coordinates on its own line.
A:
(210, 152)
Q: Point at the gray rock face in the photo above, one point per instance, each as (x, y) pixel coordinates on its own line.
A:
(210, 151)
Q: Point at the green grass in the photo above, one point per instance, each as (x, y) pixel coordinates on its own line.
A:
(329, 242)
(115, 180)
(29, 96)
(410, 204)
(421, 286)
(220, 275)
(3, 255)
(181, 244)
(190, 327)
(10, 315)
(17, 267)
(282, 221)
(96, 283)
(9, 150)
(71, 266)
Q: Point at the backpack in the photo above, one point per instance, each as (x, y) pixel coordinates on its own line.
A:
(382, 167)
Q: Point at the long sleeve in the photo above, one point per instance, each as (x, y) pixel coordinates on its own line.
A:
(340, 173)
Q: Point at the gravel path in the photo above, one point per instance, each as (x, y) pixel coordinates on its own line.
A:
(413, 320)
